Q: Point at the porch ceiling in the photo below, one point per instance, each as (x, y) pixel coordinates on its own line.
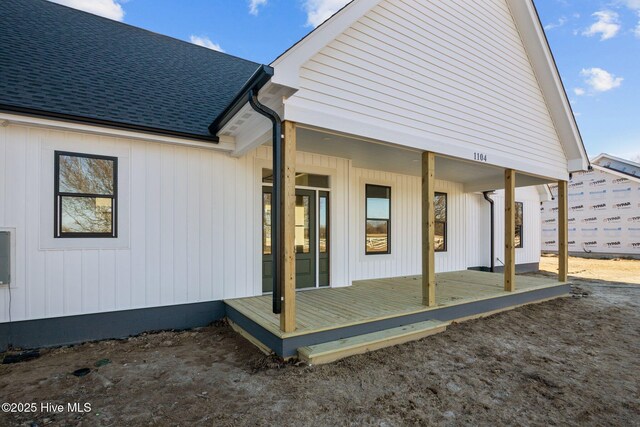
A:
(368, 154)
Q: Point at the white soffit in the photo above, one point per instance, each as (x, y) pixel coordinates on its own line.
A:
(377, 155)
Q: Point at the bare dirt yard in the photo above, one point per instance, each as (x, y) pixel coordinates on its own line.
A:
(625, 271)
(570, 361)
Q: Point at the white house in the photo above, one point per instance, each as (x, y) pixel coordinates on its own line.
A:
(137, 177)
(604, 210)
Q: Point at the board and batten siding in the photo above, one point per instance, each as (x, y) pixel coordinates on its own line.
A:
(188, 222)
(406, 246)
(451, 77)
(530, 252)
(190, 226)
(468, 227)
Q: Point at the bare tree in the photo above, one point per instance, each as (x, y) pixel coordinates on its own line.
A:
(89, 178)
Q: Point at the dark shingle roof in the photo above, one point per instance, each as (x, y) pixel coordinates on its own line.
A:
(60, 60)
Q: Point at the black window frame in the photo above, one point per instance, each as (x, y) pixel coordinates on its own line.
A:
(445, 222)
(518, 231)
(57, 198)
(366, 220)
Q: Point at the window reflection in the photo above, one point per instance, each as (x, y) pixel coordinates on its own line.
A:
(85, 195)
(378, 218)
(85, 175)
(440, 235)
(86, 214)
(519, 221)
(323, 222)
(302, 234)
(266, 223)
(377, 236)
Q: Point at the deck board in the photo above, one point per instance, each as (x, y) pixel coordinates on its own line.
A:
(377, 299)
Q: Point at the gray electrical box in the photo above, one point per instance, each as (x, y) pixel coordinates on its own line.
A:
(5, 257)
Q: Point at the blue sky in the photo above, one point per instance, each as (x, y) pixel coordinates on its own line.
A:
(596, 44)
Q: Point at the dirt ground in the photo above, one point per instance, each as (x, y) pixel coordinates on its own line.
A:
(612, 270)
(570, 361)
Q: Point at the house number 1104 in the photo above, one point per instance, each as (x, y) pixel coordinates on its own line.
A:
(480, 157)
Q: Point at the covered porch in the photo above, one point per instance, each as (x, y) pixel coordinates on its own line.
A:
(475, 173)
(374, 306)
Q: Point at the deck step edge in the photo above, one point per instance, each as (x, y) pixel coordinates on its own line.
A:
(339, 349)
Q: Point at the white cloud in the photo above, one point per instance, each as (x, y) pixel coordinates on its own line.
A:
(319, 11)
(634, 5)
(559, 23)
(600, 80)
(607, 25)
(254, 5)
(206, 42)
(111, 9)
(578, 91)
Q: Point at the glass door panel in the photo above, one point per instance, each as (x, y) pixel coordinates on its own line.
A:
(323, 238)
(305, 239)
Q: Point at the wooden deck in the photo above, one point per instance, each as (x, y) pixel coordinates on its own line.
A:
(375, 300)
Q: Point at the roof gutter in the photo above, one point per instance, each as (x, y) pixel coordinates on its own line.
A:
(259, 78)
(486, 195)
(277, 201)
(249, 94)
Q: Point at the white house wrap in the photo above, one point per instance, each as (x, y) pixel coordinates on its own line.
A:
(604, 210)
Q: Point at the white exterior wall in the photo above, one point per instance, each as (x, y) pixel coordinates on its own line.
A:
(604, 214)
(447, 76)
(190, 226)
(406, 226)
(530, 252)
(187, 234)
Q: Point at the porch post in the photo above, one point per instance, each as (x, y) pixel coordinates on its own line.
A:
(509, 230)
(428, 230)
(288, 191)
(563, 232)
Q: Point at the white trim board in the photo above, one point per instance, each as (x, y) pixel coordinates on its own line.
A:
(226, 143)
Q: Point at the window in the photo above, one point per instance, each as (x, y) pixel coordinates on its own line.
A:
(266, 223)
(519, 221)
(440, 235)
(302, 179)
(378, 219)
(85, 195)
(303, 224)
(323, 221)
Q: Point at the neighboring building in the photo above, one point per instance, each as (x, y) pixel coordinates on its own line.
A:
(136, 182)
(604, 210)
